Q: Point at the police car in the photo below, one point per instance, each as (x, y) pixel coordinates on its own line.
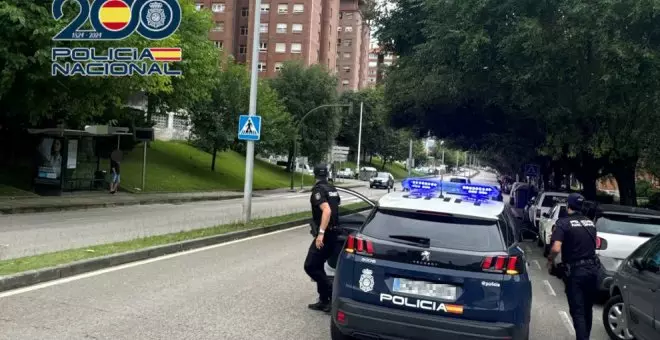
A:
(437, 261)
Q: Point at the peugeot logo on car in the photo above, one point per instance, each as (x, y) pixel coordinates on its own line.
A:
(426, 255)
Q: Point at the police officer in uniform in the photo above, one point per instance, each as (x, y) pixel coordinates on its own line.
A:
(325, 214)
(575, 238)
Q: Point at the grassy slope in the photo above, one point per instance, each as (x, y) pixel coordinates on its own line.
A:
(179, 167)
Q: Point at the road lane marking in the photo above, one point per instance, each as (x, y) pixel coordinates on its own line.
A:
(548, 287)
(567, 322)
(138, 263)
(537, 264)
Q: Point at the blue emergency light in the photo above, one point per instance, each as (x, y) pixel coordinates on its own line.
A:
(431, 186)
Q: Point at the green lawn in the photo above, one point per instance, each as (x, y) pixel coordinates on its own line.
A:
(179, 167)
(397, 170)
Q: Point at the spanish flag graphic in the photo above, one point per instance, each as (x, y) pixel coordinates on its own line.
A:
(166, 54)
(454, 309)
(115, 15)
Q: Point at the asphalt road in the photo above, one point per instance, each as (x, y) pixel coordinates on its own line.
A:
(31, 234)
(250, 289)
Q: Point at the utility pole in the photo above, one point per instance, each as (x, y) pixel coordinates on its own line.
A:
(254, 82)
(410, 159)
(359, 140)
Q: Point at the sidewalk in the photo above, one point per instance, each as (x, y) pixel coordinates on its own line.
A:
(102, 199)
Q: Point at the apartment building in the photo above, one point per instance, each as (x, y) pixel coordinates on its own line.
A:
(354, 37)
(328, 32)
(378, 61)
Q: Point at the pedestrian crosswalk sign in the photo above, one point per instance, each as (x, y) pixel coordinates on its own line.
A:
(249, 127)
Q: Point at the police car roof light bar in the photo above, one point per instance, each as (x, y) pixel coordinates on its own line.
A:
(429, 187)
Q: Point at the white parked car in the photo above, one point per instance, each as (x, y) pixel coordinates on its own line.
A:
(623, 229)
(548, 221)
(543, 202)
(459, 179)
(346, 173)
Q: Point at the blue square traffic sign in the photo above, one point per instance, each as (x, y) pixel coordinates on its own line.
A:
(249, 127)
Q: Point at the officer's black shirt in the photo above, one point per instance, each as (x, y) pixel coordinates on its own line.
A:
(325, 192)
(578, 242)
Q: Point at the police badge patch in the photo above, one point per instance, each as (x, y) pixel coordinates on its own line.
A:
(317, 196)
(156, 15)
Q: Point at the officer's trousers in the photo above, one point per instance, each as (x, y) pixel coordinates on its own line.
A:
(315, 261)
(582, 291)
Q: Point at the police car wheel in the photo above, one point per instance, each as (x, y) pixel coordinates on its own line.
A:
(614, 319)
(336, 334)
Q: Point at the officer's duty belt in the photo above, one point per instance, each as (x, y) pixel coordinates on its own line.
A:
(584, 262)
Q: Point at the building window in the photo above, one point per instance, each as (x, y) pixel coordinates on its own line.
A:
(199, 6)
(218, 44)
(347, 55)
(373, 64)
(341, 15)
(338, 42)
(263, 46)
(278, 67)
(349, 15)
(345, 82)
(263, 28)
(297, 28)
(281, 28)
(219, 26)
(373, 56)
(218, 8)
(283, 8)
(296, 48)
(339, 29)
(347, 69)
(261, 66)
(245, 12)
(265, 8)
(298, 8)
(242, 49)
(280, 47)
(372, 80)
(244, 30)
(348, 29)
(348, 42)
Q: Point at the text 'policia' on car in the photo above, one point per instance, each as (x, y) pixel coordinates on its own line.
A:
(436, 261)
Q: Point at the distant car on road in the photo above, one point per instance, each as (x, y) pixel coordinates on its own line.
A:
(542, 204)
(548, 221)
(632, 312)
(346, 173)
(382, 180)
(459, 179)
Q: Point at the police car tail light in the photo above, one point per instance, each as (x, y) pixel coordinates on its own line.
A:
(341, 317)
(359, 246)
(507, 264)
(599, 242)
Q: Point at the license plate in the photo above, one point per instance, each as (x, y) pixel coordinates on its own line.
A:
(434, 290)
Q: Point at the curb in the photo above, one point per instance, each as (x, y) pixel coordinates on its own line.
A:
(33, 277)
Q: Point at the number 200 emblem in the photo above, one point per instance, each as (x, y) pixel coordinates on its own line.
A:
(118, 19)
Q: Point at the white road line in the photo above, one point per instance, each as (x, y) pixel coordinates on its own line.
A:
(567, 322)
(548, 287)
(537, 264)
(135, 264)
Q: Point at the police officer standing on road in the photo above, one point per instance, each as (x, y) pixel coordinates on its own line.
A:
(325, 214)
(575, 238)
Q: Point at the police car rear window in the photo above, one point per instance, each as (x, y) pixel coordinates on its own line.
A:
(443, 231)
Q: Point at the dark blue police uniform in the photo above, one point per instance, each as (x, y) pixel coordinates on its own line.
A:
(578, 252)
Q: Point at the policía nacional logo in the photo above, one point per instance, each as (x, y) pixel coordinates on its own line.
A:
(117, 20)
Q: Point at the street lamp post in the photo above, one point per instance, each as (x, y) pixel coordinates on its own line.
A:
(299, 126)
(249, 154)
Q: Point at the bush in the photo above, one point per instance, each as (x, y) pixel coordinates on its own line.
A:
(654, 200)
(643, 188)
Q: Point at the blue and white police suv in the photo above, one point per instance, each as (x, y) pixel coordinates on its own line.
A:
(436, 261)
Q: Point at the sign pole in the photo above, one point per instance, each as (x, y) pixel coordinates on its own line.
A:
(144, 164)
(254, 82)
(359, 138)
(410, 160)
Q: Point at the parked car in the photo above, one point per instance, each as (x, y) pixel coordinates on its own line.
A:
(346, 173)
(459, 179)
(548, 221)
(382, 180)
(633, 310)
(542, 204)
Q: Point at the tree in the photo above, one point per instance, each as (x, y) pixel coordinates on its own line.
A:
(215, 120)
(374, 120)
(571, 81)
(302, 89)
